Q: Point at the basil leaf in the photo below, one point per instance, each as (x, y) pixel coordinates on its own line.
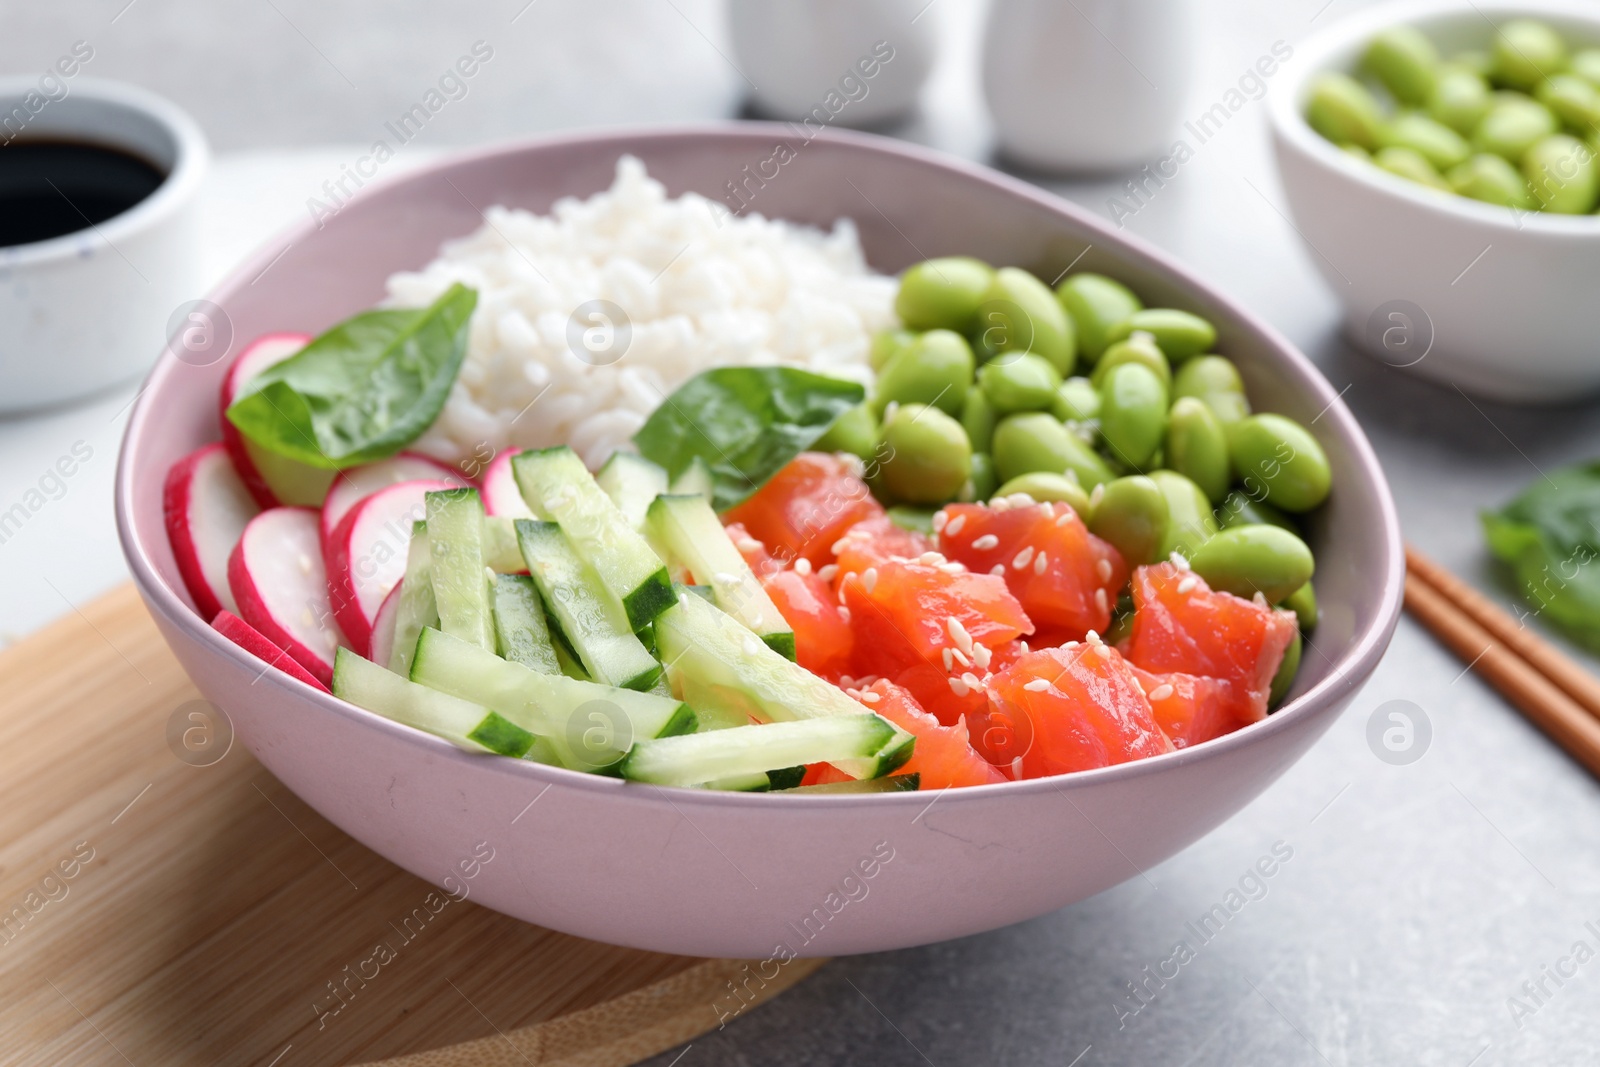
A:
(1550, 537)
(363, 390)
(746, 423)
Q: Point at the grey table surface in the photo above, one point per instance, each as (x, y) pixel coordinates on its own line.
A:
(1424, 906)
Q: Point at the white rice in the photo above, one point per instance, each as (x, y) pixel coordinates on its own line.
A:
(700, 287)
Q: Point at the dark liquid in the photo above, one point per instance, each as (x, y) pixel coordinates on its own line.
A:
(50, 188)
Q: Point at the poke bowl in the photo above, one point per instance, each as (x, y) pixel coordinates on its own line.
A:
(674, 840)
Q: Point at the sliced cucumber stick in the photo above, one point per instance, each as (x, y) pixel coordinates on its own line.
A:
(522, 633)
(894, 783)
(460, 580)
(745, 750)
(472, 726)
(695, 478)
(632, 482)
(417, 606)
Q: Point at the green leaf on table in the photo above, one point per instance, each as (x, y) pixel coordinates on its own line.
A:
(363, 390)
(746, 423)
(1550, 538)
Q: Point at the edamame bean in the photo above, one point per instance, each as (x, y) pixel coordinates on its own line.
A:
(1405, 61)
(1430, 138)
(1240, 509)
(929, 458)
(1216, 381)
(1048, 488)
(1356, 151)
(1097, 305)
(1076, 401)
(1491, 179)
(943, 293)
(1245, 560)
(1133, 413)
(1131, 513)
(1197, 447)
(886, 344)
(978, 418)
(1572, 100)
(1019, 381)
(936, 369)
(1460, 99)
(1178, 334)
(1303, 602)
(1278, 459)
(1586, 65)
(918, 520)
(1287, 669)
(1526, 52)
(1411, 165)
(983, 478)
(855, 432)
(1512, 125)
(1035, 441)
(1342, 110)
(1479, 62)
(1020, 314)
(1190, 522)
(1563, 175)
(1139, 347)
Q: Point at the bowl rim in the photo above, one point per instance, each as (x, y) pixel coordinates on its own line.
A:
(1359, 661)
(1316, 55)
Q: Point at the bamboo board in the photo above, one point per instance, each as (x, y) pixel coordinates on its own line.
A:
(153, 911)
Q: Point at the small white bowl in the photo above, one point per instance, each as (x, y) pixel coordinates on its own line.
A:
(1499, 302)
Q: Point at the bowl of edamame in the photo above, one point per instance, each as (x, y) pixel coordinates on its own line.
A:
(1442, 160)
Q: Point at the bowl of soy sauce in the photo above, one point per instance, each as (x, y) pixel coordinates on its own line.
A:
(99, 234)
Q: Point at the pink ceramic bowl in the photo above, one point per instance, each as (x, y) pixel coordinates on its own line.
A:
(733, 874)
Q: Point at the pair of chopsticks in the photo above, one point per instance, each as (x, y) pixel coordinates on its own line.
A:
(1542, 682)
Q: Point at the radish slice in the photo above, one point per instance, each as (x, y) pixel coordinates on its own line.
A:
(206, 506)
(248, 638)
(277, 577)
(367, 553)
(271, 478)
(358, 483)
(500, 493)
(381, 649)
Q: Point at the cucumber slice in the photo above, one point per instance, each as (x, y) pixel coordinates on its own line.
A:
(590, 618)
(522, 633)
(745, 750)
(460, 580)
(566, 655)
(556, 484)
(589, 726)
(472, 726)
(417, 605)
(694, 479)
(895, 783)
(632, 482)
(501, 552)
(784, 778)
(694, 537)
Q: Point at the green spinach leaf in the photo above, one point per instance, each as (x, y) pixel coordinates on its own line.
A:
(363, 390)
(1550, 537)
(746, 423)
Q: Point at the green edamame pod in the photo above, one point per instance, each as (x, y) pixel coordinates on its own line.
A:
(1197, 447)
(1405, 61)
(1411, 165)
(1097, 305)
(1131, 513)
(1020, 314)
(1491, 179)
(1287, 669)
(1035, 441)
(1460, 99)
(978, 418)
(1585, 64)
(1048, 488)
(1216, 381)
(918, 520)
(1428, 137)
(943, 293)
(1278, 460)
(1019, 381)
(1133, 413)
(1240, 509)
(1563, 175)
(935, 369)
(1572, 100)
(1076, 401)
(1303, 602)
(855, 432)
(928, 457)
(1139, 347)
(1512, 125)
(1526, 52)
(983, 478)
(1342, 110)
(1190, 522)
(1479, 62)
(1178, 334)
(886, 344)
(1245, 560)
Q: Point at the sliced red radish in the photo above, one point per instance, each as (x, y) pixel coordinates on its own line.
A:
(272, 479)
(381, 648)
(206, 506)
(367, 553)
(358, 483)
(500, 493)
(277, 576)
(249, 638)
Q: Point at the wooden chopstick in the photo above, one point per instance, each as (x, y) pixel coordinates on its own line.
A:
(1570, 724)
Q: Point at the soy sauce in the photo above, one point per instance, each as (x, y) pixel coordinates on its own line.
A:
(51, 188)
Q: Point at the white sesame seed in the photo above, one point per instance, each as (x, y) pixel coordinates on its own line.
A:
(940, 518)
(829, 572)
(840, 545)
(1260, 598)
(752, 647)
(952, 567)
(869, 579)
(869, 698)
(1103, 569)
(1097, 495)
(1021, 500)
(1022, 557)
(802, 566)
(1038, 685)
(1105, 651)
(1187, 584)
(1178, 560)
(1100, 602)
(972, 681)
(958, 687)
(844, 613)
(951, 528)
(1016, 769)
(999, 503)
(724, 578)
(1161, 692)
(1024, 646)
(998, 570)
(1040, 562)
(955, 653)
(1071, 644)
(944, 653)
(1093, 638)
(986, 542)
(958, 633)
(981, 656)
(932, 559)
(749, 544)
(1064, 518)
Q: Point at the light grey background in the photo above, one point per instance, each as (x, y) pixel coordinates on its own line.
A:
(1418, 899)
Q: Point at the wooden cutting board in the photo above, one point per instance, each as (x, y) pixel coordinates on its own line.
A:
(161, 911)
